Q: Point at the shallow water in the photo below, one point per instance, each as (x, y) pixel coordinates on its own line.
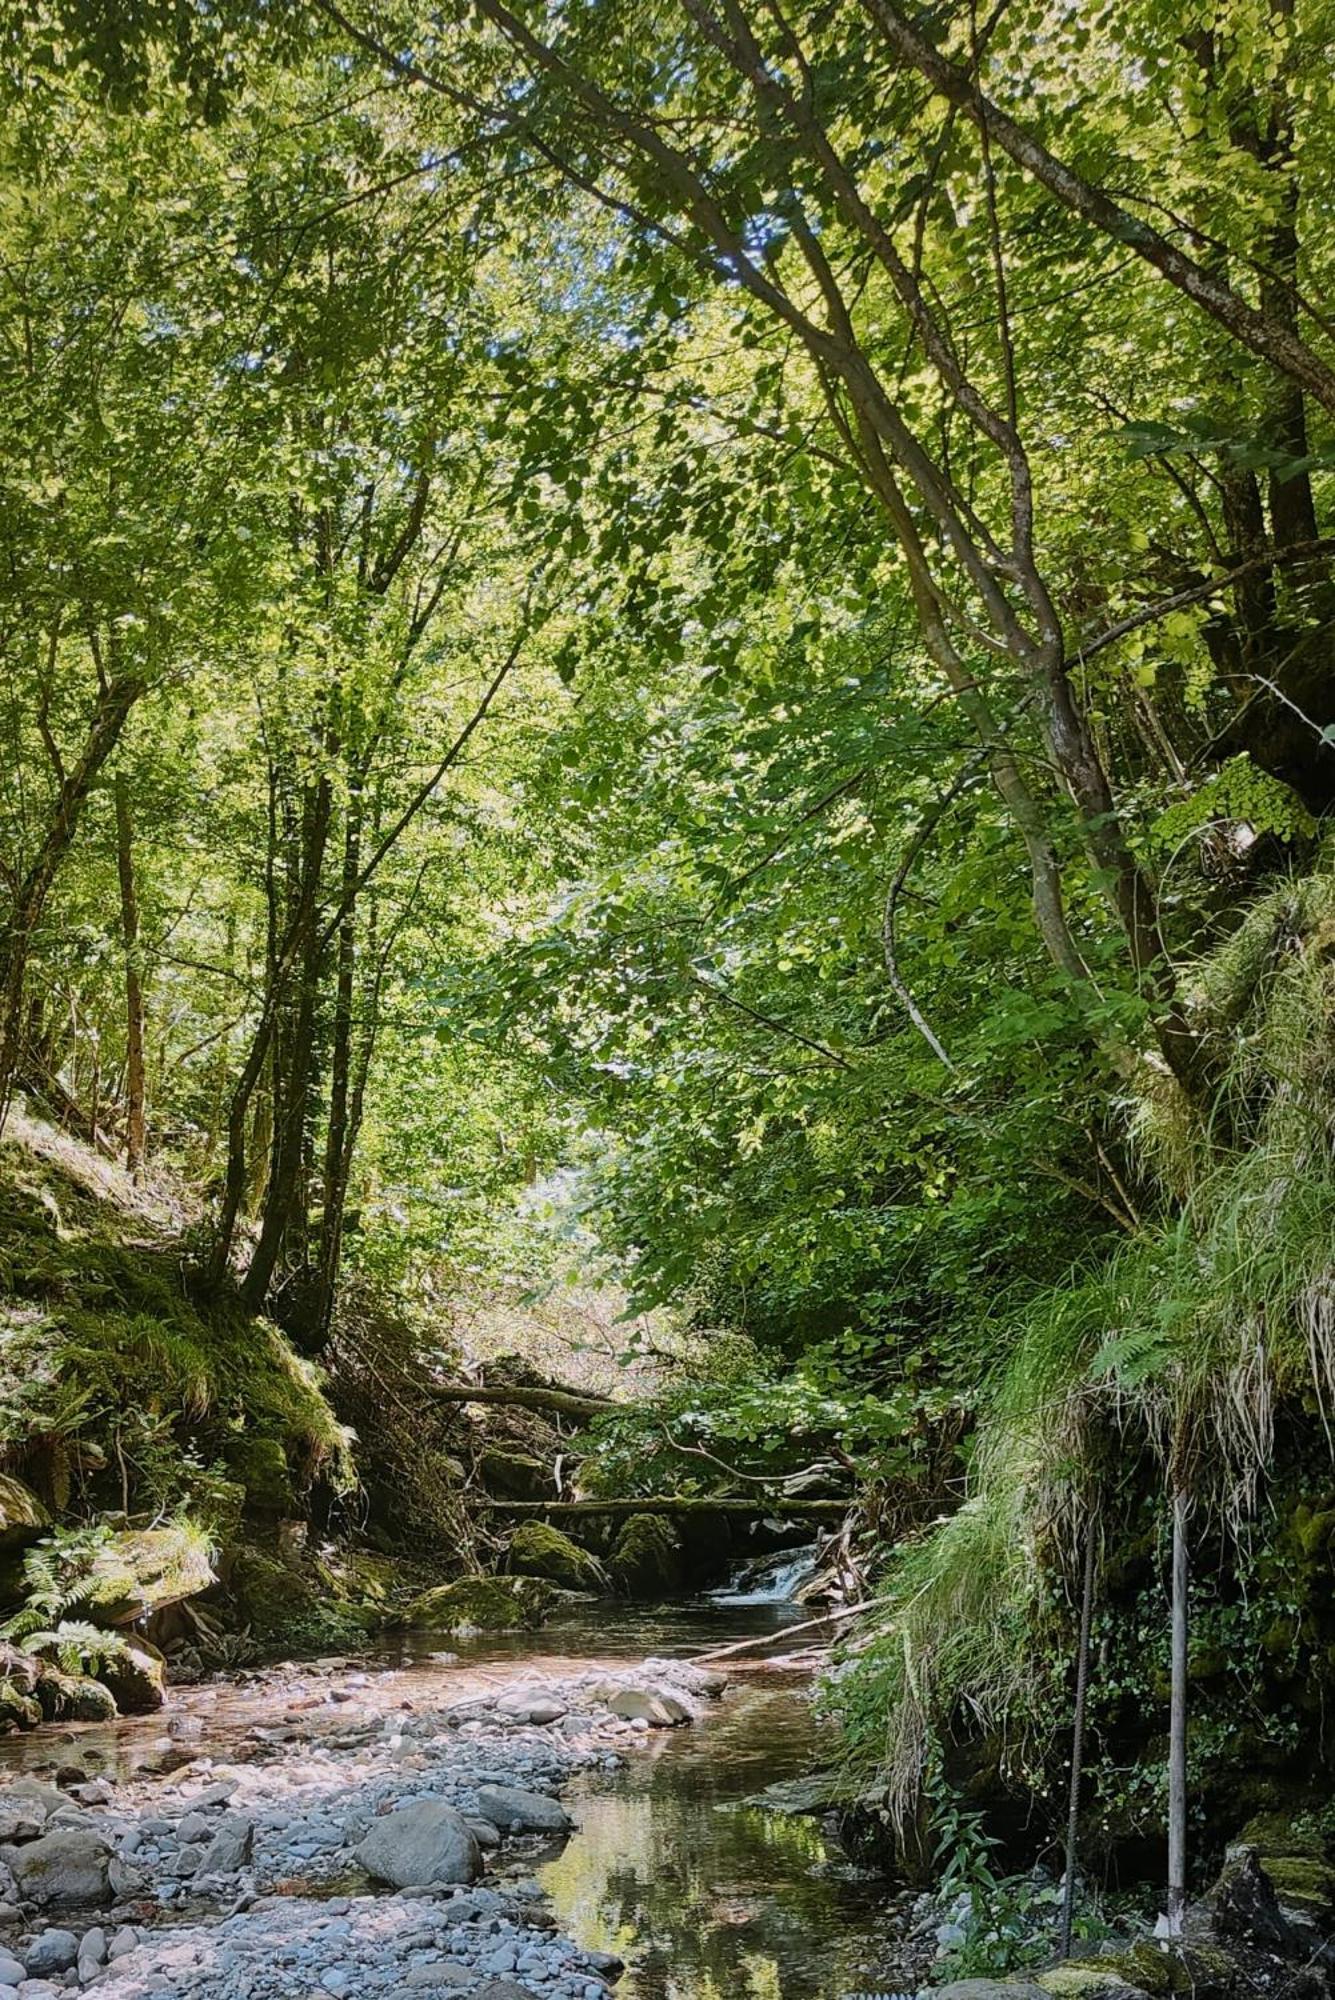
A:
(704, 1897)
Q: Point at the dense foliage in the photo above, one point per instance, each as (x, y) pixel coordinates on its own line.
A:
(705, 631)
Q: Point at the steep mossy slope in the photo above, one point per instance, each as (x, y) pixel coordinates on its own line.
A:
(116, 1389)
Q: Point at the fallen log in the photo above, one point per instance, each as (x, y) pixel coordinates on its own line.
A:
(665, 1504)
(759, 1640)
(563, 1402)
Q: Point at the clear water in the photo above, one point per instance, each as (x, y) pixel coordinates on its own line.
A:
(704, 1897)
(707, 1898)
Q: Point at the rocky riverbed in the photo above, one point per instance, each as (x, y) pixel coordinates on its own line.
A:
(351, 1847)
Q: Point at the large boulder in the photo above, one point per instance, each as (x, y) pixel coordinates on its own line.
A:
(420, 1844)
(259, 1464)
(482, 1604)
(137, 1678)
(66, 1869)
(646, 1558)
(74, 1697)
(19, 1675)
(143, 1570)
(537, 1549)
(516, 1475)
(22, 1515)
(517, 1811)
(268, 1596)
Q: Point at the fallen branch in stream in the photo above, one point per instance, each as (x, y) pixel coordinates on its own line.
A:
(786, 1632)
(695, 1504)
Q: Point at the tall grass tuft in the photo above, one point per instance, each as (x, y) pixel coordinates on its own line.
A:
(1193, 1338)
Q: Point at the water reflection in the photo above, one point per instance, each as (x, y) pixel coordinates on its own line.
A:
(708, 1899)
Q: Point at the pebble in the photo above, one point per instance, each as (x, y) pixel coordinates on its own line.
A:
(289, 1821)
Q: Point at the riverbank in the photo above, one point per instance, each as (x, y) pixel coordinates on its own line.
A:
(355, 1849)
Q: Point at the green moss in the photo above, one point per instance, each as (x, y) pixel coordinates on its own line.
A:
(517, 1475)
(482, 1604)
(646, 1558)
(260, 1465)
(22, 1515)
(1083, 1979)
(1278, 1834)
(104, 1358)
(1312, 1530)
(537, 1549)
(285, 1611)
(74, 1698)
(1302, 1882)
(142, 1571)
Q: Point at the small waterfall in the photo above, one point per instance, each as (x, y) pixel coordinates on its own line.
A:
(773, 1579)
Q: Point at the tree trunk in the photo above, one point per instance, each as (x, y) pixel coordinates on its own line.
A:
(1177, 1720)
(135, 1120)
(116, 698)
(1078, 1743)
(296, 1058)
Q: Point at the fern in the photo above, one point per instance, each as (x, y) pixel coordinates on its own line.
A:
(74, 1646)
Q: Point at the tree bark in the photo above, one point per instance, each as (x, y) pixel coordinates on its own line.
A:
(1078, 1744)
(135, 1109)
(116, 697)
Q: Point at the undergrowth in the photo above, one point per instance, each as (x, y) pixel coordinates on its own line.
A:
(1190, 1354)
(112, 1380)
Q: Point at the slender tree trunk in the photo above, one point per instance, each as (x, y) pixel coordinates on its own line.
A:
(115, 700)
(135, 1120)
(296, 1056)
(1078, 1742)
(1177, 1719)
(344, 1101)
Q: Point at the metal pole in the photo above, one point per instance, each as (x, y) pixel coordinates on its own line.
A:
(1177, 1723)
(1078, 1743)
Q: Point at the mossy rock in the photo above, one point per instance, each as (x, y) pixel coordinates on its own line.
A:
(537, 1549)
(286, 1611)
(267, 1595)
(366, 1578)
(646, 1558)
(18, 1709)
(74, 1698)
(137, 1679)
(516, 1475)
(482, 1604)
(259, 1464)
(22, 1515)
(1302, 1883)
(1275, 1834)
(144, 1570)
(1086, 1979)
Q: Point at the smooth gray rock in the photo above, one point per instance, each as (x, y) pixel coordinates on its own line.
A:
(517, 1811)
(230, 1848)
(51, 1952)
(988, 1989)
(10, 1970)
(425, 1842)
(657, 1706)
(64, 1870)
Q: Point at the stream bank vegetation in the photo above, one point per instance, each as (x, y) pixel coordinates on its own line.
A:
(681, 654)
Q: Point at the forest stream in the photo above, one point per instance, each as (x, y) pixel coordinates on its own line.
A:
(704, 1896)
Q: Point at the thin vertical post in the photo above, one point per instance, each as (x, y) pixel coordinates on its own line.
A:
(1177, 1722)
(1078, 1743)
